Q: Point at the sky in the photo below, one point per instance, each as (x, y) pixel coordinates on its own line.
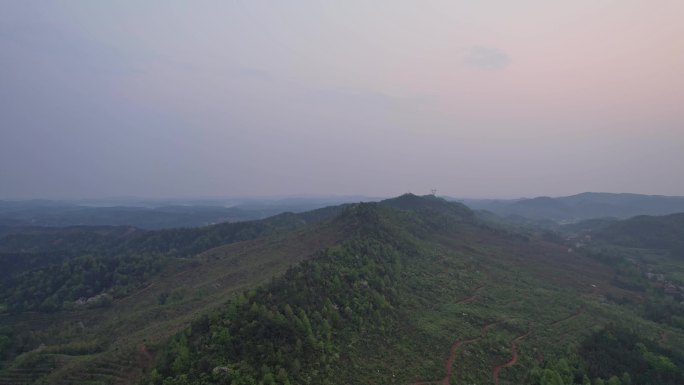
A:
(273, 98)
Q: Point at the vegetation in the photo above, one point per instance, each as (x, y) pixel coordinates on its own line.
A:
(413, 289)
(647, 232)
(293, 330)
(84, 278)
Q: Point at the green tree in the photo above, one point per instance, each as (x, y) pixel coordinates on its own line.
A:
(551, 377)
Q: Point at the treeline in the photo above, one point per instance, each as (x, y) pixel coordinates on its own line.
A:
(295, 329)
(614, 356)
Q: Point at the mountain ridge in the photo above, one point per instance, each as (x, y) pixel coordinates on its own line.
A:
(582, 206)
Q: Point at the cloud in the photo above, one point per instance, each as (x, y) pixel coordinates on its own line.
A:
(486, 58)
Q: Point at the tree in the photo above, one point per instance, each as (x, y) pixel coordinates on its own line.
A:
(551, 377)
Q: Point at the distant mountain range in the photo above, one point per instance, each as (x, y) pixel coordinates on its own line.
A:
(162, 214)
(583, 206)
(154, 215)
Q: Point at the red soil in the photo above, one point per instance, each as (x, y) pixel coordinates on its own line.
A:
(449, 365)
(513, 360)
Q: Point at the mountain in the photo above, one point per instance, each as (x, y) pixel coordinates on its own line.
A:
(582, 206)
(408, 290)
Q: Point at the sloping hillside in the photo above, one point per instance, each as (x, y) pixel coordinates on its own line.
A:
(417, 295)
(110, 344)
(410, 290)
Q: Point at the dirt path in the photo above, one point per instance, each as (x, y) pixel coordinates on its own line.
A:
(514, 357)
(486, 327)
(449, 364)
(474, 297)
(579, 311)
(124, 299)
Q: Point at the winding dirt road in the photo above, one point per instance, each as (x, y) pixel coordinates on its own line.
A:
(514, 357)
(449, 364)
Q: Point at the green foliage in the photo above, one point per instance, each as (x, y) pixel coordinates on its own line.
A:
(382, 295)
(613, 356)
(6, 334)
(64, 265)
(87, 277)
(292, 330)
(614, 352)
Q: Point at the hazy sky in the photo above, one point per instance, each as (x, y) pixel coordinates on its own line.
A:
(234, 98)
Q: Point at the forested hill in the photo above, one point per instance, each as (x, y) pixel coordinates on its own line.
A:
(410, 290)
(111, 240)
(393, 302)
(47, 268)
(648, 232)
